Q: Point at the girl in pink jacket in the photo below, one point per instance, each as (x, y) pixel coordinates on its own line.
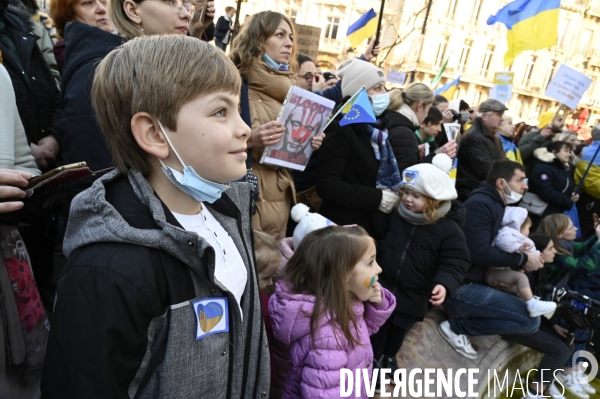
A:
(325, 309)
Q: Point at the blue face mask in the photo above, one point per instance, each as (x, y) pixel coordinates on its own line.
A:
(189, 182)
(380, 103)
(274, 65)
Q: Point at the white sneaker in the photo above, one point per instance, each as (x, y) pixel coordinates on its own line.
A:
(537, 307)
(528, 395)
(459, 342)
(581, 378)
(572, 386)
(555, 393)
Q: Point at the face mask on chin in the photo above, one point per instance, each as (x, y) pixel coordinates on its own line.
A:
(189, 181)
(513, 197)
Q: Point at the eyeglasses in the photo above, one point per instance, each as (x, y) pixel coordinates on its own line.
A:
(178, 5)
(308, 76)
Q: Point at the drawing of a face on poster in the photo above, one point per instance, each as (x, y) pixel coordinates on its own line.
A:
(300, 126)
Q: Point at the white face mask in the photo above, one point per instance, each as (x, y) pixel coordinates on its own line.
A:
(513, 197)
(379, 103)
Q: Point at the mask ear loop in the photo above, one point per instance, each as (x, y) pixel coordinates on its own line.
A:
(170, 145)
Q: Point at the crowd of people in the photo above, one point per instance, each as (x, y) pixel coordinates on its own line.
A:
(194, 270)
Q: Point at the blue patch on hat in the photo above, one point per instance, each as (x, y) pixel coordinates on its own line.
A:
(410, 177)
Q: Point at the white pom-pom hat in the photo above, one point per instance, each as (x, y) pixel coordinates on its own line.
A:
(307, 222)
(431, 179)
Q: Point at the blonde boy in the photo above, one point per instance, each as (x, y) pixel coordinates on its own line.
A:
(159, 298)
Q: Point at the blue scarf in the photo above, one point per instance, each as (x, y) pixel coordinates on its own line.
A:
(273, 65)
(388, 175)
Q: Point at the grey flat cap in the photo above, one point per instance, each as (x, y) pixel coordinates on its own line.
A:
(492, 105)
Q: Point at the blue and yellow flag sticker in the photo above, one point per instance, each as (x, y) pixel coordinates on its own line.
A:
(212, 316)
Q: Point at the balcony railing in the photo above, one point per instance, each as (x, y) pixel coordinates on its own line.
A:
(332, 46)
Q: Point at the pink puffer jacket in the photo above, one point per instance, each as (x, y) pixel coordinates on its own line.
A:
(314, 370)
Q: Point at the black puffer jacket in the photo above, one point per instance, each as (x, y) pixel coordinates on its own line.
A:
(404, 141)
(37, 96)
(485, 210)
(415, 259)
(346, 177)
(79, 135)
(552, 182)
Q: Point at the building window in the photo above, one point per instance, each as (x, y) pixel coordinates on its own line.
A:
(476, 10)
(564, 33)
(332, 27)
(585, 41)
(442, 52)
(451, 8)
(549, 74)
(476, 98)
(464, 55)
(487, 60)
(528, 71)
(293, 15)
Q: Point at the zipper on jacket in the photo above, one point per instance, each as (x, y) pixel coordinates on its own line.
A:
(412, 232)
(251, 318)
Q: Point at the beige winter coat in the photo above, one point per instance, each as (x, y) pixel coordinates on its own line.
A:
(266, 91)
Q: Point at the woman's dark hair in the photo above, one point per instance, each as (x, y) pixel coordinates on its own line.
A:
(320, 267)
(463, 106)
(302, 59)
(540, 241)
(434, 116)
(556, 146)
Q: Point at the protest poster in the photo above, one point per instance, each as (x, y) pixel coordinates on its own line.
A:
(396, 77)
(568, 86)
(307, 38)
(303, 115)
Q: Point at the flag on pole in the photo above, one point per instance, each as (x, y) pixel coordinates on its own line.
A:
(437, 78)
(448, 89)
(365, 27)
(531, 24)
(359, 110)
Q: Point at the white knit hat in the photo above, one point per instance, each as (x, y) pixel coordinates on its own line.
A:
(307, 222)
(356, 74)
(431, 179)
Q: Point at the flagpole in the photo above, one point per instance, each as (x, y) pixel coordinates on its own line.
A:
(379, 22)
(412, 75)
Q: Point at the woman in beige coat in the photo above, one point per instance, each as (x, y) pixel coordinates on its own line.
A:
(265, 53)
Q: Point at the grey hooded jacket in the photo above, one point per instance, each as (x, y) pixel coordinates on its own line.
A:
(124, 325)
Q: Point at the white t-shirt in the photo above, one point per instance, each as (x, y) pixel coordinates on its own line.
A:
(230, 269)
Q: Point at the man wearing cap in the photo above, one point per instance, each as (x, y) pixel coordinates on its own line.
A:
(540, 138)
(479, 148)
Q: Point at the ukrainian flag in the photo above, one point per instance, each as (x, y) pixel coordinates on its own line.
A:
(531, 24)
(365, 27)
(448, 89)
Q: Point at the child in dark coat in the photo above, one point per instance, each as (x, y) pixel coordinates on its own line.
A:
(424, 257)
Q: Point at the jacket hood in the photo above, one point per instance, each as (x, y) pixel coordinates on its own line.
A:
(457, 213)
(487, 189)
(290, 313)
(396, 119)
(514, 216)
(544, 155)
(84, 43)
(124, 209)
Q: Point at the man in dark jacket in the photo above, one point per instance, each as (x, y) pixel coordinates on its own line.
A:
(550, 125)
(503, 313)
(224, 28)
(479, 148)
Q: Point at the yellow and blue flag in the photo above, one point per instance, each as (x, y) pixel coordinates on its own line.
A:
(531, 24)
(365, 27)
(448, 89)
(358, 110)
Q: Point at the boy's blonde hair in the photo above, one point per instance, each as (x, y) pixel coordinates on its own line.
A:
(157, 75)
